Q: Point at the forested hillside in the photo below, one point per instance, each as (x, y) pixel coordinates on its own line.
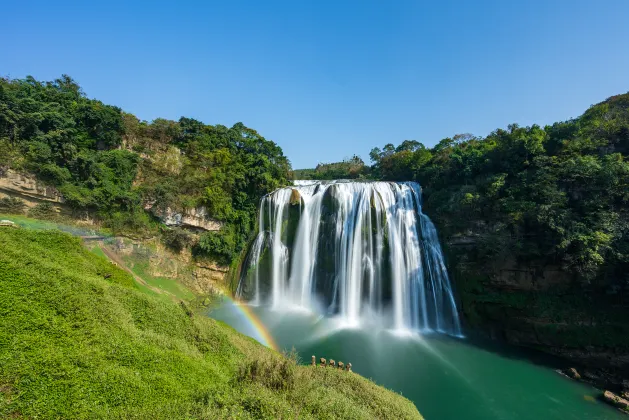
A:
(132, 174)
(352, 168)
(560, 193)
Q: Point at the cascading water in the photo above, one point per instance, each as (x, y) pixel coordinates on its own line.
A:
(357, 249)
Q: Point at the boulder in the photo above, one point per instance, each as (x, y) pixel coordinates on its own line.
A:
(615, 400)
(295, 197)
(572, 372)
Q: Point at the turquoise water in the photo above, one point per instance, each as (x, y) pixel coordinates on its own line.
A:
(446, 378)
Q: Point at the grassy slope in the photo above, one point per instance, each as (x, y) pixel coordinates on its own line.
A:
(165, 288)
(78, 340)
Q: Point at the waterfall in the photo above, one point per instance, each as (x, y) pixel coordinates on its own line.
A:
(357, 250)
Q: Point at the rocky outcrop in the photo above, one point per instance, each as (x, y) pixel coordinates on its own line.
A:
(193, 219)
(28, 188)
(202, 277)
(574, 374)
(616, 401)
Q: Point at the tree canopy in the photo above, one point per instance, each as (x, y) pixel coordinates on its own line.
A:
(110, 163)
(557, 193)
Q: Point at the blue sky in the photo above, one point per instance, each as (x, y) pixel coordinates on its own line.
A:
(327, 79)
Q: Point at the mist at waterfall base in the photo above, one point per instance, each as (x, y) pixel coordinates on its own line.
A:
(353, 271)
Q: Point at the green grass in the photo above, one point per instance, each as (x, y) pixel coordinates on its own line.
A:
(169, 285)
(98, 251)
(29, 222)
(78, 340)
(64, 224)
(137, 265)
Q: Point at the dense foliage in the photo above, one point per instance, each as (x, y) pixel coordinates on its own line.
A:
(78, 340)
(110, 164)
(53, 130)
(558, 193)
(352, 168)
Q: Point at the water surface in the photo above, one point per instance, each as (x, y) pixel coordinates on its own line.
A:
(446, 378)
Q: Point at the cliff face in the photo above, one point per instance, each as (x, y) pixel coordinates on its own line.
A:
(542, 306)
(193, 219)
(200, 276)
(28, 188)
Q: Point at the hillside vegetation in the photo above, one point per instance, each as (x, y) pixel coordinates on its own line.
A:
(352, 168)
(110, 165)
(78, 340)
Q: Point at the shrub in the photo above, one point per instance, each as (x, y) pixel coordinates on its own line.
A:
(136, 223)
(277, 373)
(220, 245)
(45, 211)
(177, 239)
(12, 205)
(54, 174)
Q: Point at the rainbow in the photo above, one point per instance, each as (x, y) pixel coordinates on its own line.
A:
(262, 333)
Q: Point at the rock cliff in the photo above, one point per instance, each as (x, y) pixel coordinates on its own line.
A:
(192, 219)
(28, 188)
(538, 304)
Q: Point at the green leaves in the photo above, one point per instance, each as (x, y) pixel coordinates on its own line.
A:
(73, 142)
(558, 193)
(222, 245)
(61, 134)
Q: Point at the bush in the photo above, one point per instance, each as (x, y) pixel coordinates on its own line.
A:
(12, 205)
(45, 211)
(135, 222)
(219, 245)
(276, 373)
(54, 174)
(177, 239)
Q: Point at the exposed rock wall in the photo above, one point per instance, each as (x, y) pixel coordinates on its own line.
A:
(193, 219)
(542, 306)
(201, 277)
(28, 188)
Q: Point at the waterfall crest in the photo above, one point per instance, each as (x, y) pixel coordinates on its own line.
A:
(354, 249)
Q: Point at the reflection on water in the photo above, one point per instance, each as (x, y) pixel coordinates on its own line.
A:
(447, 378)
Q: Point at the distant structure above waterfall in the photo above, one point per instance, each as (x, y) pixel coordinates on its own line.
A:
(360, 250)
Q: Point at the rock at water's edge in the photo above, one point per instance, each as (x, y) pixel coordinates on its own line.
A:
(615, 400)
(572, 372)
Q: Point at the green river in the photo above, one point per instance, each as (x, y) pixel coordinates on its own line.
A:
(446, 377)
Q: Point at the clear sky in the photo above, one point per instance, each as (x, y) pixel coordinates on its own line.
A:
(327, 79)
